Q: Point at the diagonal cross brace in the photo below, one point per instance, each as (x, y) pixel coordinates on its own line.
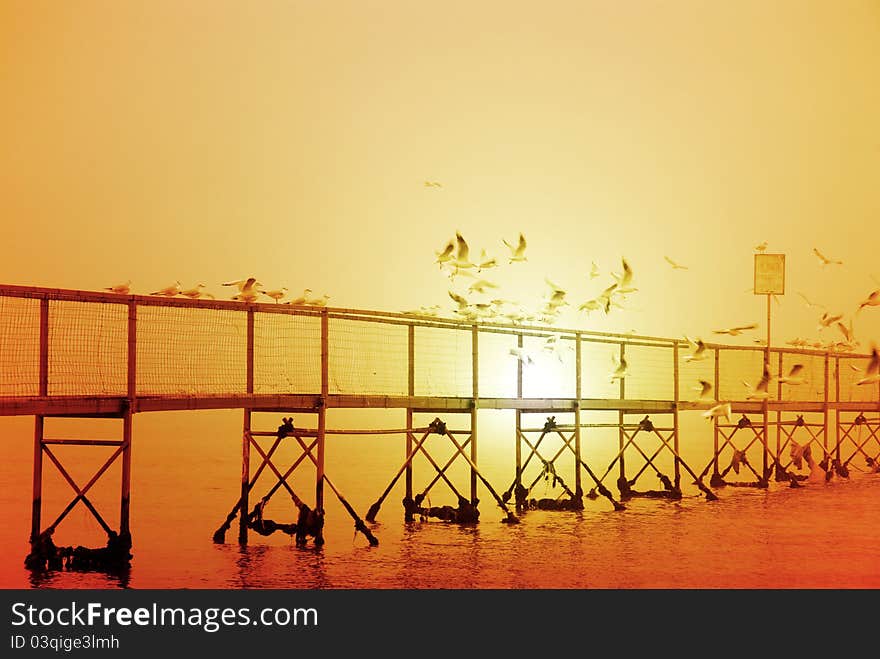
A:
(81, 493)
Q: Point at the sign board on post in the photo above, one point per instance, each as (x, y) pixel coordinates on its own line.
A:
(769, 274)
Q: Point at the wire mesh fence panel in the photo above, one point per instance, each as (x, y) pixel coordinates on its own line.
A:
(802, 376)
(287, 353)
(695, 368)
(597, 365)
(19, 346)
(368, 357)
(739, 372)
(549, 369)
(88, 348)
(443, 362)
(191, 351)
(649, 373)
(498, 365)
(851, 371)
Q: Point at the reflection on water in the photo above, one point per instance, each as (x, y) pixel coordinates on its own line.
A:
(827, 536)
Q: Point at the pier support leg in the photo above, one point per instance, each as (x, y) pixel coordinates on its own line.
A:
(244, 507)
(37, 505)
(125, 499)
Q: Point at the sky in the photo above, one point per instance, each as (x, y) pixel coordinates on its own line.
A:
(209, 141)
(291, 141)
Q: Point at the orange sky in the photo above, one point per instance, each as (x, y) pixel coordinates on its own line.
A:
(207, 141)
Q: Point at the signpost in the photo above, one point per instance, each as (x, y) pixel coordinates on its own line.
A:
(769, 280)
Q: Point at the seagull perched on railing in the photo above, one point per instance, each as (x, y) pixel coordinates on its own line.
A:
(168, 291)
(195, 292)
(276, 294)
(122, 289)
(318, 301)
(302, 298)
(245, 286)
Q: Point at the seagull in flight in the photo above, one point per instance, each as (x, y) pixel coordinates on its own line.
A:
(736, 331)
(459, 300)
(699, 352)
(624, 280)
(620, 368)
(827, 320)
(433, 184)
(760, 391)
(522, 355)
(675, 266)
(462, 257)
(485, 262)
(122, 289)
(762, 247)
(824, 259)
(594, 271)
(873, 300)
(872, 370)
(810, 304)
(446, 255)
(481, 285)
(718, 411)
(168, 291)
(518, 253)
(794, 375)
(705, 389)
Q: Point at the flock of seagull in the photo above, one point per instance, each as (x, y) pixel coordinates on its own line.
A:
(455, 260)
(249, 291)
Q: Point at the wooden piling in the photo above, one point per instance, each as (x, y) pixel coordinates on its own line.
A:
(620, 415)
(475, 393)
(411, 389)
(578, 395)
(322, 413)
(127, 419)
(244, 506)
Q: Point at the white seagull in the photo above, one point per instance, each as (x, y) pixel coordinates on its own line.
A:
(195, 292)
(675, 266)
(760, 391)
(736, 331)
(872, 370)
(122, 289)
(276, 294)
(699, 352)
(718, 411)
(518, 253)
(302, 298)
(245, 286)
(873, 300)
(168, 291)
(824, 259)
(794, 375)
